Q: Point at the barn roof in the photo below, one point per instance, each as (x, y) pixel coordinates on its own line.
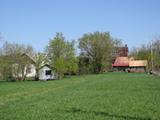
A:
(130, 62)
(138, 63)
(121, 61)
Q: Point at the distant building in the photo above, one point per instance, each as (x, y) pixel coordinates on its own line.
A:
(121, 51)
(46, 72)
(137, 65)
(29, 68)
(127, 64)
(121, 64)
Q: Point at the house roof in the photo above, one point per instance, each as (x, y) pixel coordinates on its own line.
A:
(130, 62)
(25, 54)
(120, 64)
(138, 63)
(47, 66)
(121, 61)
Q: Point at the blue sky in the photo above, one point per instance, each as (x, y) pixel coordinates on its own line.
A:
(36, 21)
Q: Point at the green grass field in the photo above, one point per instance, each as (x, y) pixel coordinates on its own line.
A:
(110, 96)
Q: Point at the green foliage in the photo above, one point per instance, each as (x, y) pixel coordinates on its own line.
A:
(40, 59)
(144, 52)
(72, 66)
(97, 48)
(60, 66)
(14, 63)
(84, 65)
(61, 55)
(5, 67)
(156, 53)
(111, 96)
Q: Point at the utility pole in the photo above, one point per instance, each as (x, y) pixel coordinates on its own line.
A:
(152, 55)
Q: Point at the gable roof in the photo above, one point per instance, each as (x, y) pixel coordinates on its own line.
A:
(121, 61)
(47, 65)
(14, 58)
(28, 56)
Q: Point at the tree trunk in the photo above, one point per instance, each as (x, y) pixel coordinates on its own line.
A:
(37, 75)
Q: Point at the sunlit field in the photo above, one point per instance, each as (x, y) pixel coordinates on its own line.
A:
(109, 96)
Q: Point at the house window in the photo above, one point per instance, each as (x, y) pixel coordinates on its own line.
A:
(29, 70)
(48, 72)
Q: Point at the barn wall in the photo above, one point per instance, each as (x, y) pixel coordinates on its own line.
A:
(137, 69)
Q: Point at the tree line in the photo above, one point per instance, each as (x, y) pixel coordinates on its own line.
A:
(150, 52)
(96, 55)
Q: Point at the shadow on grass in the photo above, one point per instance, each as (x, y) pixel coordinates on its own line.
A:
(125, 117)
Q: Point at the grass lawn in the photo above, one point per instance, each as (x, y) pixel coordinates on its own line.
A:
(110, 96)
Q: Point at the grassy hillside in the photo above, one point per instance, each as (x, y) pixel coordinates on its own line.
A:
(110, 96)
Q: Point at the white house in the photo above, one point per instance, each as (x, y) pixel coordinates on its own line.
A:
(31, 71)
(46, 72)
(29, 68)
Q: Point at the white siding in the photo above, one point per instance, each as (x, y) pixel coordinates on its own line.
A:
(32, 71)
(43, 76)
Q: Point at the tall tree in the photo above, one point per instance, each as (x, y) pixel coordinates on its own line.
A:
(61, 55)
(72, 61)
(97, 48)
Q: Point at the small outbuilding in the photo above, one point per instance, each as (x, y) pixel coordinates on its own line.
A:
(46, 72)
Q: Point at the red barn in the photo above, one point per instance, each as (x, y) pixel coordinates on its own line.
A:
(129, 65)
